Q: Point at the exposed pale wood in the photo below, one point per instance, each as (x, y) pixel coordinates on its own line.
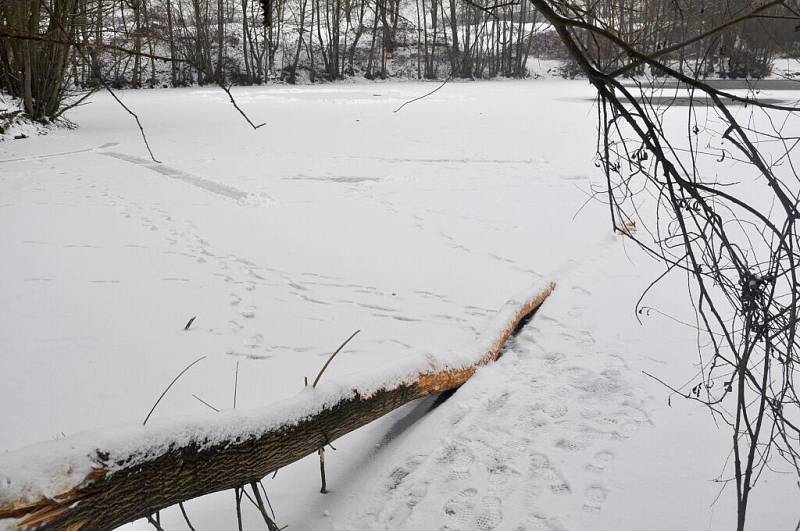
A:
(105, 501)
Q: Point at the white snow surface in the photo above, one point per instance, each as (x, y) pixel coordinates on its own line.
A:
(13, 123)
(50, 468)
(415, 227)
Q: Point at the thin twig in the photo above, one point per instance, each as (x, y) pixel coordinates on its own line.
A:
(186, 516)
(204, 402)
(236, 106)
(267, 497)
(235, 384)
(154, 523)
(271, 525)
(316, 381)
(409, 102)
(238, 495)
(169, 386)
(135, 117)
(490, 10)
(324, 488)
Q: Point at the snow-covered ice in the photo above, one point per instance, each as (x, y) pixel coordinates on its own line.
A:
(339, 214)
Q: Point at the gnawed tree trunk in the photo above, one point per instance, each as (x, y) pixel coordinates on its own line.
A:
(124, 485)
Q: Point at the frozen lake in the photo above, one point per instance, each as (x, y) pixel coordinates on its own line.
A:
(340, 215)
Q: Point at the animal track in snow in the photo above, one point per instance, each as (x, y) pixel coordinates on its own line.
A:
(255, 341)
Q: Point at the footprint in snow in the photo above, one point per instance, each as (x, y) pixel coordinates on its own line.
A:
(600, 461)
(489, 514)
(580, 290)
(497, 403)
(255, 341)
(539, 522)
(556, 410)
(572, 444)
(396, 477)
(462, 506)
(541, 469)
(594, 496)
(627, 429)
(255, 275)
(458, 458)
(499, 472)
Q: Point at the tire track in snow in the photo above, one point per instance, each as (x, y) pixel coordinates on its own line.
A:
(200, 182)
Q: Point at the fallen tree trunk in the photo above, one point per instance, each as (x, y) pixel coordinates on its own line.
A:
(141, 470)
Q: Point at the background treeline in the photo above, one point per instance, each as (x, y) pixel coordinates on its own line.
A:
(743, 50)
(51, 48)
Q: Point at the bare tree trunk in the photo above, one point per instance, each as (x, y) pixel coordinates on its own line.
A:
(431, 73)
(172, 67)
(201, 43)
(419, 42)
(220, 42)
(150, 47)
(136, 78)
(454, 55)
(94, 69)
(369, 74)
(245, 36)
(357, 37)
(293, 72)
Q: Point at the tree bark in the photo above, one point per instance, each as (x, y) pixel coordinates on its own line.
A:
(454, 56)
(220, 42)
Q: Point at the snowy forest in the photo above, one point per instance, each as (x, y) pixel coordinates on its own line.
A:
(160, 43)
(348, 265)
